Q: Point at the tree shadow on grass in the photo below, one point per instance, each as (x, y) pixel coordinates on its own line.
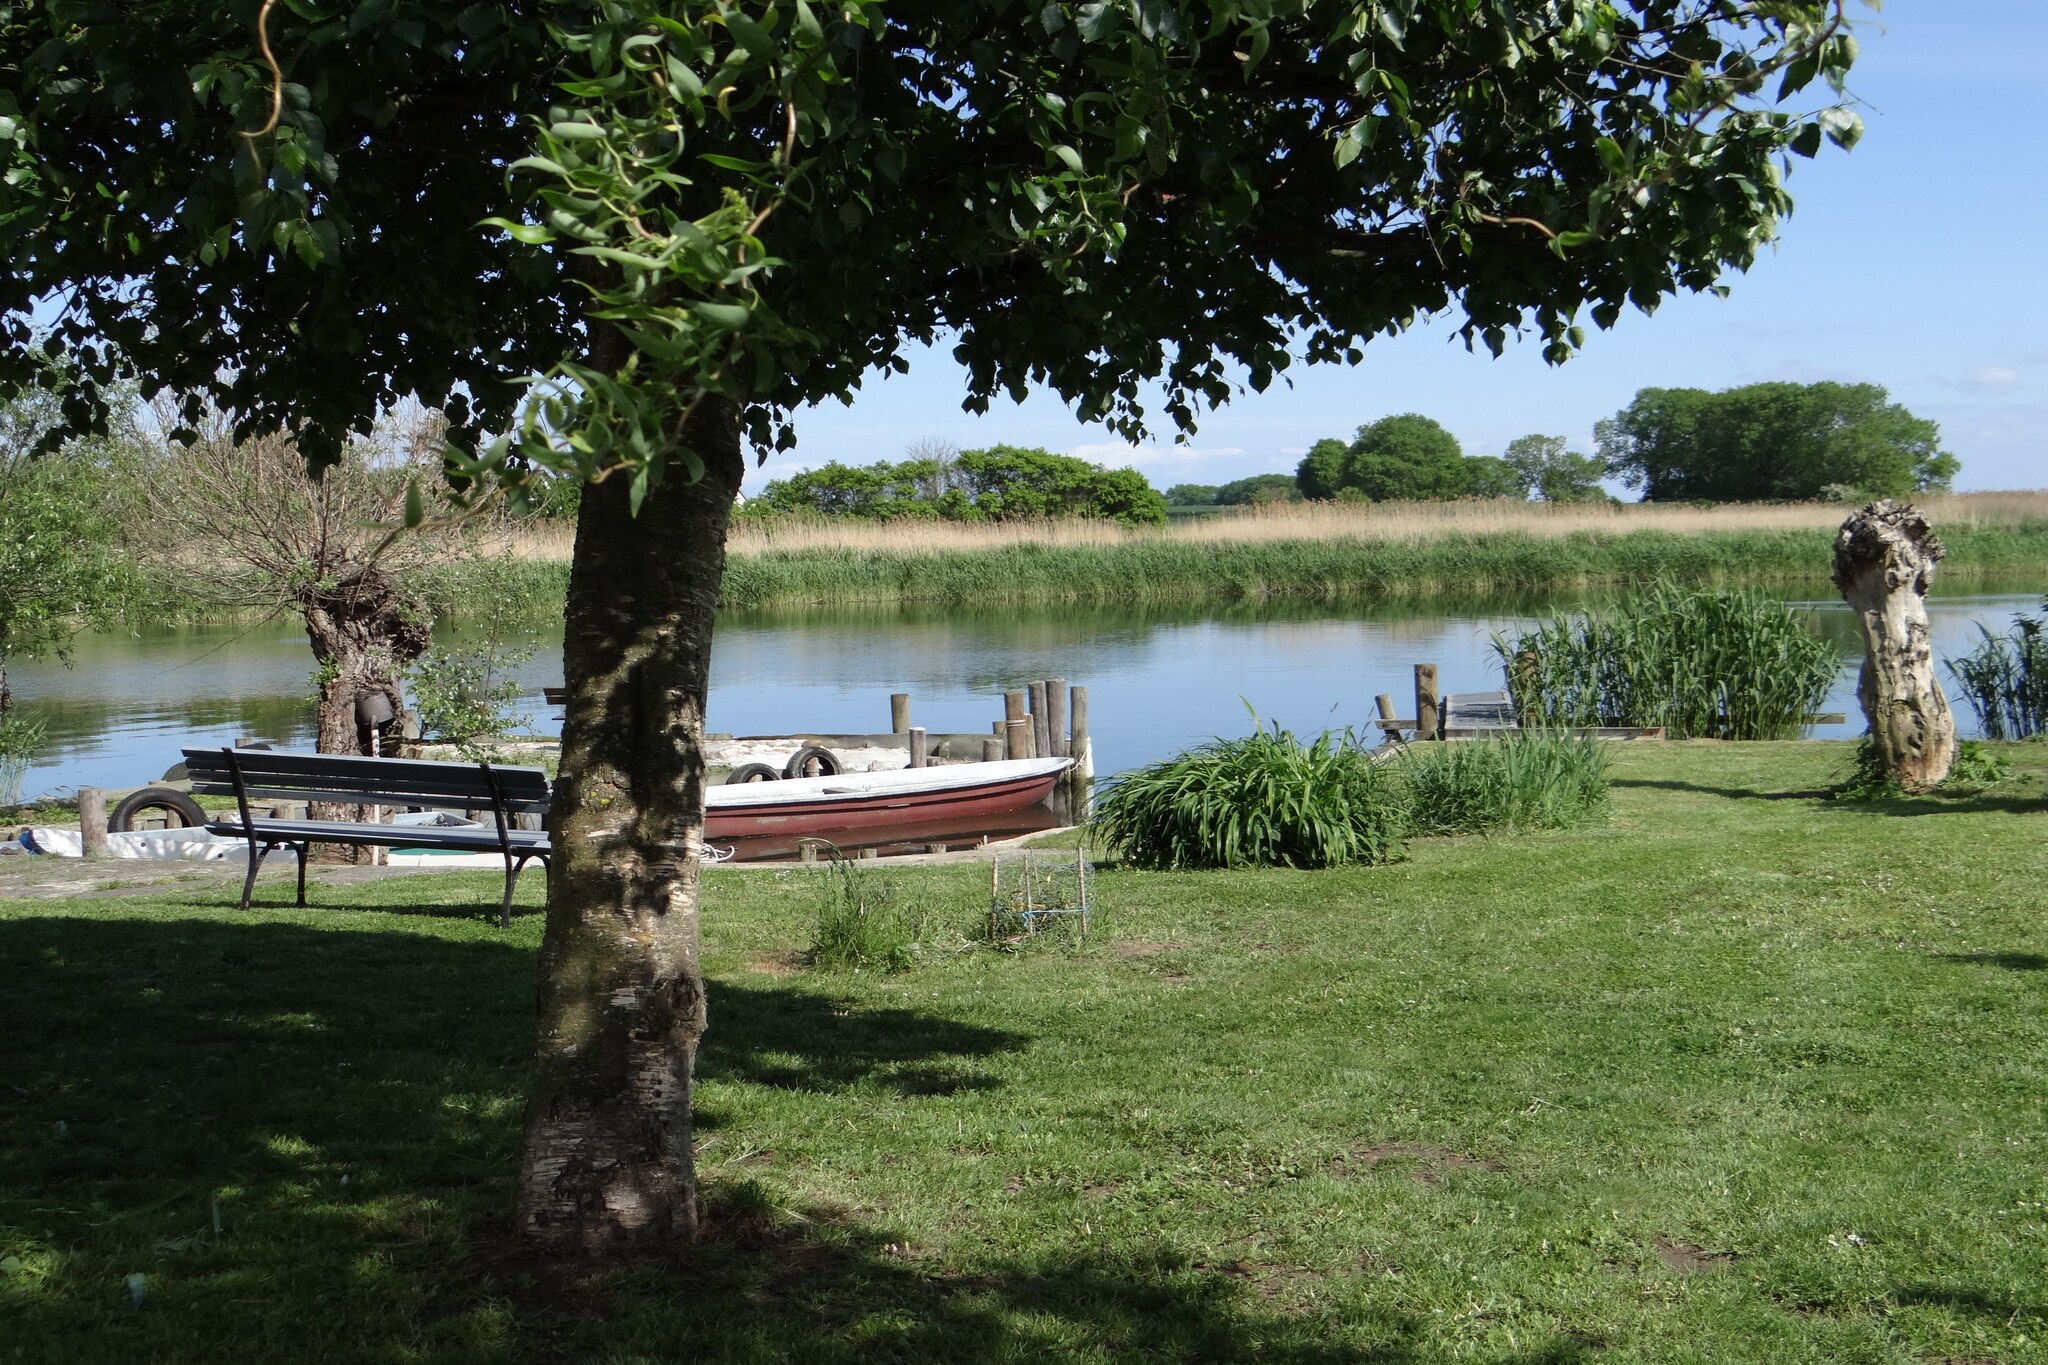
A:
(344, 1103)
(2012, 962)
(793, 1040)
(815, 1285)
(1729, 793)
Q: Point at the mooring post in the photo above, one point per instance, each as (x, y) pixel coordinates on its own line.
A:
(1016, 707)
(92, 821)
(1426, 724)
(1081, 777)
(917, 752)
(1041, 738)
(1017, 742)
(806, 851)
(1056, 716)
(992, 749)
(899, 713)
(1385, 701)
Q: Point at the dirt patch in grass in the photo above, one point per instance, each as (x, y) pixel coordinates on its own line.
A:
(1688, 1259)
(1144, 949)
(1431, 1164)
(785, 963)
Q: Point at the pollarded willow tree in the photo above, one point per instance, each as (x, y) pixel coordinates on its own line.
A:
(707, 214)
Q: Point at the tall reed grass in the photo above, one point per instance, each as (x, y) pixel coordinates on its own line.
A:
(1263, 801)
(1531, 780)
(1703, 664)
(2005, 678)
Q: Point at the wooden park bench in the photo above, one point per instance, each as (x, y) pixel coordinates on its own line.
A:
(254, 775)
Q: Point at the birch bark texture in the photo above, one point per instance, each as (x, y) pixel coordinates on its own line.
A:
(606, 1165)
(1885, 556)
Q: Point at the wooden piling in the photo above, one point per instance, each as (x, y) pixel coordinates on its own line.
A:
(806, 852)
(899, 713)
(1056, 716)
(992, 749)
(1041, 737)
(917, 750)
(1385, 702)
(1016, 707)
(92, 821)
(1081, 777)
(1017, 742)
(1427, 725)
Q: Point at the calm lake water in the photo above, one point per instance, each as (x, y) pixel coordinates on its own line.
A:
(1158, 678)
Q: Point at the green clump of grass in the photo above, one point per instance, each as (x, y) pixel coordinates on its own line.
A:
(1975, 769)
(1533, 780)
(1713, 664)
(864, 923)
(1266, 800)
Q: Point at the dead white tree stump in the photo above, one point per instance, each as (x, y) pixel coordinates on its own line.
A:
(1884, 561)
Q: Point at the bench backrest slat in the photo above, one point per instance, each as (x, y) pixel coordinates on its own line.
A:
(281, 775)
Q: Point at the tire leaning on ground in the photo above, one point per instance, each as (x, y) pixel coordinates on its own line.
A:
(811, 761)
(178, 808)
(751, 772)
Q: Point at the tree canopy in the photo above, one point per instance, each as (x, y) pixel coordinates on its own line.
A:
(1547, 467)
(1124, 164)
(1258, 489)
(999, 483)
(1765, 442)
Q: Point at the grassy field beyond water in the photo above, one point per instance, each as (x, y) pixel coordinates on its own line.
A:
(1321, 552)
(1742, 1075)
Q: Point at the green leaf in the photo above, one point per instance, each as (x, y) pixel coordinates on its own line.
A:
(729, 316)
(1068, 156)
(415, 509)
(1806, 142)
(533, 234)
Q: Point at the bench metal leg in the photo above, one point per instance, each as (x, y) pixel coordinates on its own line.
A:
(302, 850)
(512, 871)
(256, 857)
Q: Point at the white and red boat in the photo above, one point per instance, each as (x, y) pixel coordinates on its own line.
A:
(852, 801)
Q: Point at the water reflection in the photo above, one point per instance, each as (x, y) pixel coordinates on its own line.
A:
(1160, 676)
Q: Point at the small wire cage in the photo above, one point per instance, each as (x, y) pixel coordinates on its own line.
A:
(1033, 890)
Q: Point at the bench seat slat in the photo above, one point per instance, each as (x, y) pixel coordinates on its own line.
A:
(279, 775)
(388, 836)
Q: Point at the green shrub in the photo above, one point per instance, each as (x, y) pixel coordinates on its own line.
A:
(1263, 801)
(2005, 679)
(863, 924)
(1715, 664)
(1531, 780)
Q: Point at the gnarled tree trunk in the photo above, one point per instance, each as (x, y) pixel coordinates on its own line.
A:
(362, 632)
(606, 1165)
(1884, 561)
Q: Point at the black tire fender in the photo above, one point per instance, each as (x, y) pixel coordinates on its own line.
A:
(811, 761)
(751, 772)
(178, 809)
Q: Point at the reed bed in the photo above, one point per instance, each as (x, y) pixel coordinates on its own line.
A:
(1532, 780)
(1704, 665)
(2005, 678)
(1311, 552)
(1292, 522)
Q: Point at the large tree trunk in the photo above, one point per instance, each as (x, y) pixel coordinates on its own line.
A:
(606, 1165)
(1884, 561)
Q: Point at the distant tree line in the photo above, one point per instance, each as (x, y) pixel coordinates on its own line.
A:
(1000, 483)
(1255, 491)
(1775, 442)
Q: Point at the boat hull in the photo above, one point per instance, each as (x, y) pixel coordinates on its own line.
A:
(823, 813)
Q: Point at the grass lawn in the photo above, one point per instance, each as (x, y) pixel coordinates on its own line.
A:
(1742, 1074)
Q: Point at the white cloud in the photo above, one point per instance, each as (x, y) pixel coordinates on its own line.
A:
(1993, 377)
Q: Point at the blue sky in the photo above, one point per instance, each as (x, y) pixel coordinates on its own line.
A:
(1915, 261)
